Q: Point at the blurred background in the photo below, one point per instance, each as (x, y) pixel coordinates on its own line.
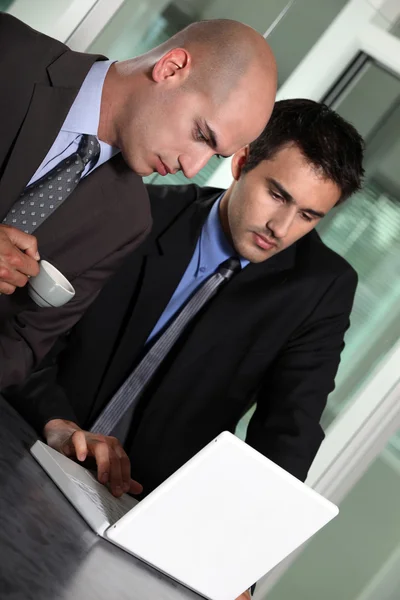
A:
(346, 53)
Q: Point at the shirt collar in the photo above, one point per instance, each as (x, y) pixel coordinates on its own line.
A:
(84, 114)
(214, 246)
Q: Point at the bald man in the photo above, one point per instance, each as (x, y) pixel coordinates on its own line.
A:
(78, 132)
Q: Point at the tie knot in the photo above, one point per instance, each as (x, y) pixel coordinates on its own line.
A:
(229, 267)
(89, 148)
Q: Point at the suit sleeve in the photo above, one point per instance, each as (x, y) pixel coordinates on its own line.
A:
(286, 424)
(28, 337)
(41, 398)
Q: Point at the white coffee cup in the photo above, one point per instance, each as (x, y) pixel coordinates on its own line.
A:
(50, 288)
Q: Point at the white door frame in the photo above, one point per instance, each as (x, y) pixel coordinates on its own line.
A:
(362, 430)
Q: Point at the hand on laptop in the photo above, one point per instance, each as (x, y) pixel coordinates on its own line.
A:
(245, 596)
(18, 258)
(113, 465)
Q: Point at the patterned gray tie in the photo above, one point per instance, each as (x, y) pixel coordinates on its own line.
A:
(122, 403)
(39, 200)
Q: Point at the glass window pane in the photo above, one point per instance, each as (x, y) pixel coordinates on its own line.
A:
(297, 32)
(366, 231)
(5, 4)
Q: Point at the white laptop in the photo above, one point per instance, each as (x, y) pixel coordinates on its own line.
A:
(217, 525)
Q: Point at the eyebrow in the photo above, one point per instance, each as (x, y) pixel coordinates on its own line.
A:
(289, 198)
(212, 136)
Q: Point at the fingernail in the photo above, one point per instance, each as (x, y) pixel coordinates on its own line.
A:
(104, 478)
(37, 256)
(118, 490)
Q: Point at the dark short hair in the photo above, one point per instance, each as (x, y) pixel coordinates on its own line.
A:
(331, 144)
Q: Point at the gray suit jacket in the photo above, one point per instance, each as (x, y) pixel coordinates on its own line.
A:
(101, 222)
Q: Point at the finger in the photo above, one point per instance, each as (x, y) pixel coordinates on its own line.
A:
(24, 241)
(125, 466)
(101, 453)
(14, 261)
(23, 263)
(135, 487)
(78, 440)
(6, 288)
(9, 275)
(115, 479)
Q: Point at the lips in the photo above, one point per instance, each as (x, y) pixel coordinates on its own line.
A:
(161, 168)
(263, 242)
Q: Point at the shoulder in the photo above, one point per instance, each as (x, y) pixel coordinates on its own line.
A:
(182, 195)
(313, 254)
(17, 37)
(168, 201)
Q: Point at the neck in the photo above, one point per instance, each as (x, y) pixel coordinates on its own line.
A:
(106, 131)
(120, 82)
(223, 214)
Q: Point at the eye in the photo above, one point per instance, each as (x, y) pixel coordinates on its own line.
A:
(306, 217)
(200, 136)
(276, 196)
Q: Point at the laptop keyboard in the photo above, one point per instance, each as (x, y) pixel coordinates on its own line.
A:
(112, 508)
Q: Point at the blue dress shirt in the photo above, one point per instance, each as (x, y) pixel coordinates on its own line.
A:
(211, 250)
(83, 117)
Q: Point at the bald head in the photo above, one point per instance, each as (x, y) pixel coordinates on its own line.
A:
(210, 89)
(223, 52)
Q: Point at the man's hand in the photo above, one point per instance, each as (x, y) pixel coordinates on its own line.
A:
(245, 596)
(18, 258)
(113, 465)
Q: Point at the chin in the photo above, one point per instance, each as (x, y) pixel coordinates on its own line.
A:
(140, 169)
(248, 252)
(257, 255)
(144, 173)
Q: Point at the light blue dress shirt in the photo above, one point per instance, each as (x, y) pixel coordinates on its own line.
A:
(211, 250)
(83, 117)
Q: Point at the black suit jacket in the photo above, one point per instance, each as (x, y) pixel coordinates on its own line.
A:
(273, 335)
(101, 222)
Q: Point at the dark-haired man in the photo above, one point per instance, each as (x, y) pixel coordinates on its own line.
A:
(271, 336)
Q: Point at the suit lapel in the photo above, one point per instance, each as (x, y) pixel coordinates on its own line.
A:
(47, 111)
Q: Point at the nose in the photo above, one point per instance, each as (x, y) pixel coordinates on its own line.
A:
(281, 221)
(192, 164)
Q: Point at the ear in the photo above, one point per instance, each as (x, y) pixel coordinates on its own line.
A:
(173, 67)
(238, 161)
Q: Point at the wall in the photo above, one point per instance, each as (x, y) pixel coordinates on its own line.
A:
(342, 559)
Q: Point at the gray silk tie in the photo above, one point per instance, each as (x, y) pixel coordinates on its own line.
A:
(121, 405)
(39, 200)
